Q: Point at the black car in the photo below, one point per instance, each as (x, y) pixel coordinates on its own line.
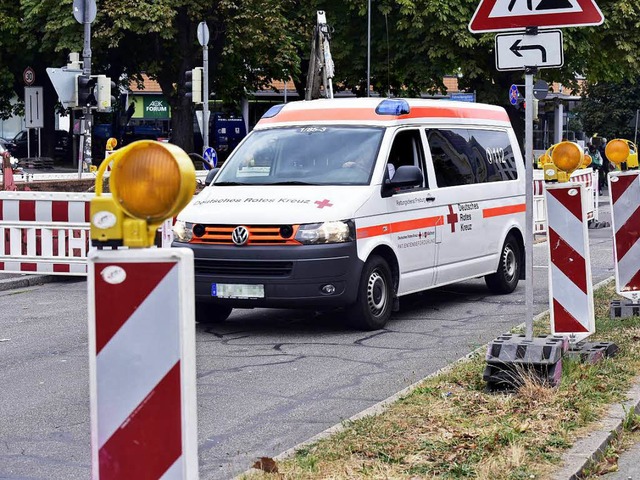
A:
(7, 144)
(61, 149)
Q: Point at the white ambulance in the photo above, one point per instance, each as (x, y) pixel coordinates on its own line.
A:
(352, 203)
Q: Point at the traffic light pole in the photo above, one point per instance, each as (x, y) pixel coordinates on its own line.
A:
(85, 154)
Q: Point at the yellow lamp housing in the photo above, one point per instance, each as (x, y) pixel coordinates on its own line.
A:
(618, 150)
(150, 182)
(111, 143)
(549, 170)
(586, 160)
(567, 156)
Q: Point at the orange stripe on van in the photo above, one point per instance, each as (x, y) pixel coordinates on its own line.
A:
(509, 209)
(396, 227)
(354, 114)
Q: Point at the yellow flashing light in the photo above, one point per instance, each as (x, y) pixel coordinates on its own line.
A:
(617, 150)
(150, 182)
(586, 161)
(567, 156)
(111, 143)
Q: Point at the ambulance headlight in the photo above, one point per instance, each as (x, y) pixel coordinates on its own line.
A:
(327, 232)
(182, 231)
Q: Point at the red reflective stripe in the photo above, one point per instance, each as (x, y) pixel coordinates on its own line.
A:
(627, 235)
(402, 226)
(506, 210)
(29, 267)
(632, 285)
(59, 211)
(150, 440)
(369, 114)
(564, 322)
(61, 268)
(27, 210)
(568, 261)
(573, 203)
(620, 186)
(115, 303)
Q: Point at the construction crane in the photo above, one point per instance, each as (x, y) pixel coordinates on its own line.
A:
(321, 70)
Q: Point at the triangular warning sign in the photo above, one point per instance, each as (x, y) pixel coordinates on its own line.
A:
(504, 15)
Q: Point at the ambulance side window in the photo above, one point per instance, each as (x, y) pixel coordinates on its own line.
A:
(451, 155)
(493, 155)
(407, 150)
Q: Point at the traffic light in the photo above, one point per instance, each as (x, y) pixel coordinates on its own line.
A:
(85, 95)
(104, 87)
(193, 84)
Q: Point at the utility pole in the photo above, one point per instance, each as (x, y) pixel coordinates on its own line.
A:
(203, 39)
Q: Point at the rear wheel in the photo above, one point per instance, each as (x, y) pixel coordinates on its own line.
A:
(375, 296)
(211, 313)
(505, 280)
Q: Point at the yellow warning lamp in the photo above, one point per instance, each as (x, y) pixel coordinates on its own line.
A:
(111, 144)
(544, 159)
(586, 160)
(150, 182)
(566, 156)
(621, 151)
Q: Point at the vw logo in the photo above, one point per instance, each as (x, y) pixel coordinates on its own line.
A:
(240, 235)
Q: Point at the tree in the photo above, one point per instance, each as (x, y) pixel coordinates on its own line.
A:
(609, 109)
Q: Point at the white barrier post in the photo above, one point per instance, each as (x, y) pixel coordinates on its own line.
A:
(570, 289)
(624, 188)
(142, 364)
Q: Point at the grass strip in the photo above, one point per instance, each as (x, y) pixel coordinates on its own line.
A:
(450, 427)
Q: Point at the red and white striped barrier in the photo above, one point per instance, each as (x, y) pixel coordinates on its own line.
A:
(625, 223)
(44, 232)
(586, 177)
(48, 232)
(570, 288)
(142, 364)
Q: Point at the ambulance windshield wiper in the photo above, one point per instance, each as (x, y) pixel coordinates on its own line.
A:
(223, 184)
(291, 182)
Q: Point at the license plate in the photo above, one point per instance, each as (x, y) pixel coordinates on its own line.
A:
(236, 290)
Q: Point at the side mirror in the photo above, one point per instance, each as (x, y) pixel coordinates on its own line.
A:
(210, 176)
(405, 176)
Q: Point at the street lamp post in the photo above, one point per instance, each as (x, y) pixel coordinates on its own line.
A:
(368, 47)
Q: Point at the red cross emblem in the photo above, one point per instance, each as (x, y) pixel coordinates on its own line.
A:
(452, 219)
(323, 203)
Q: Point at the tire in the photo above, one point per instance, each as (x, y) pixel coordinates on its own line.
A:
(376, 292)
(505, 280)
(211, 313)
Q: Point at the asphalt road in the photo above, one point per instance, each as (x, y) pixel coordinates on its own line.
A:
(267, 379)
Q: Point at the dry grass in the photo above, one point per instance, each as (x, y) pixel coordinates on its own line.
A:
(450, 427)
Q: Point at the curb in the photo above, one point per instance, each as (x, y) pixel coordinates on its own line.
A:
(589, 450)
(25, 281)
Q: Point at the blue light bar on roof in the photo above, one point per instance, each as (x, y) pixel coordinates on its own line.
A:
(393, 106)
(273, 111)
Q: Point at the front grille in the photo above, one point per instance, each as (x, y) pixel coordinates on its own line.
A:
(243, 268)
(258, 235)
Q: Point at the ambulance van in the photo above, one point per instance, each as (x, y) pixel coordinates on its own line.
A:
(349, 204)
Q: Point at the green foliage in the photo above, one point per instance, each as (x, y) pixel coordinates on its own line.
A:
(609, 109)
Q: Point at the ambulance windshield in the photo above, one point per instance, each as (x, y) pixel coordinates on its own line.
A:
(304, 155)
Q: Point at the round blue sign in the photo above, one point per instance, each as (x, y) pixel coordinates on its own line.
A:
(210, 158)
(513, 95)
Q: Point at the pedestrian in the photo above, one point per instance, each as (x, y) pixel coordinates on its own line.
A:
(597, 163)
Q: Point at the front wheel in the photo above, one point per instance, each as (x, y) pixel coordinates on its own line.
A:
(211, 313)
(505, 280)
(375, 296)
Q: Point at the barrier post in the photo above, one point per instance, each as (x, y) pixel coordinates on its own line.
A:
(142, 320)
(624, 188)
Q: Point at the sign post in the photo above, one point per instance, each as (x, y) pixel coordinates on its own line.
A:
(203, 39)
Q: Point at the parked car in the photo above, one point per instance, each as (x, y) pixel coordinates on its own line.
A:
(6, 144)
(61, 149)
